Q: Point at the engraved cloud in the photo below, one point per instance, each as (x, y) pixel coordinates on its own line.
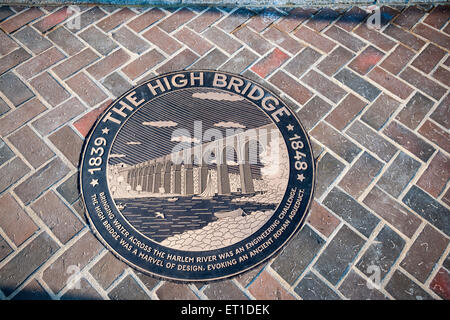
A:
(217, 96)
(160, 124)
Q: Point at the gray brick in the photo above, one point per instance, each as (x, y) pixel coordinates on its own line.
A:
(14, 89)
(328, 169)
(358, 84)
(32, 40)
(66, 40)
(42, 179)
(26, 262)
(415, 110)
(5, 249)
(302, 61)
(4, 108)
(11, 172)
(403, 288)
(371, 140)
(313, 111)
(298, 254)
(355, 287)
(351, 211)
(116, 84)
(428, 208)
(312, 288)
(380, 111)
(399, 174)
(383, 252)
(98, 40)
(128, 289)
(5, 152)
(337, 257)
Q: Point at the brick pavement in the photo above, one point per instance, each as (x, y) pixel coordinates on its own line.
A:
(375, 102)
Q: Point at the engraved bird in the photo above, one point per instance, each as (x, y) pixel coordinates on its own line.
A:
(159, 215)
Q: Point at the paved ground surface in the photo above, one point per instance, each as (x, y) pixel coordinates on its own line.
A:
(375, 102)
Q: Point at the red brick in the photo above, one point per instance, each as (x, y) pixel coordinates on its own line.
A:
(409, 140)
(86, 89)
(69, 143)
(335, 60)
(391, 83)
(115, 19)
(146, 19)
(253, 40)
(392, 211)
(269, 63)
(177, 19)
(265, 287)
(424, 253)
(345, 38)
(15, 222)
(345, 112)
(31, 146)
(435, 177)
(21, 19)
(324, 86)
(19, 117)
(108, 64)
(13, 59)
(53, 19)
(283, 40)
(85, 123)
(58, 116)
(40, 63)
(409, 17)
(408, 39)
(428, 58)
(293, 88)
(142, 64)
(397, 59)
(222, 40)
(75, 63)
(438, 17)
(441, 284)
(161, 39)
(375, 37)
(205, 19)
(264, 19)
(49, 89)
(435, 134)
(360, 175)
(295, 17)
(442, 75)
(322, 220)
(315, 39)
(437, 37)
(366, 60)
(79, 254)
(179, 62)
(423, 83)
(193, 41)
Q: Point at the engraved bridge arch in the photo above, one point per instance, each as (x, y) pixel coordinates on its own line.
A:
(174, 172)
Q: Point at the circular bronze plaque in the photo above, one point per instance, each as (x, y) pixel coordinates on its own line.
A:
(197, 175)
